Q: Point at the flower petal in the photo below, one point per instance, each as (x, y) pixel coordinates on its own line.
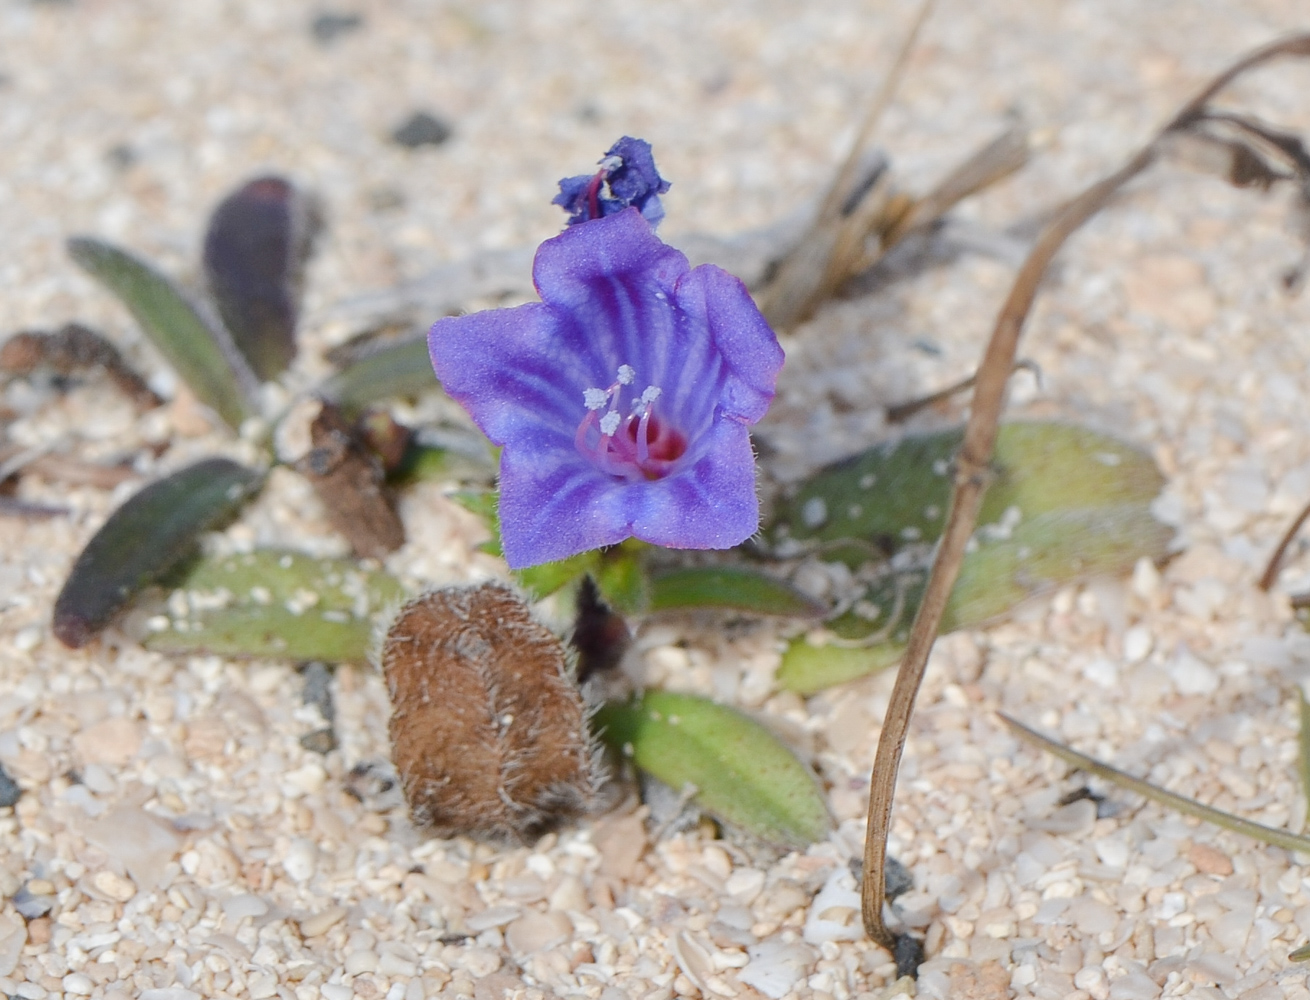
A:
(513, 368)
(567, 266)
(554, 504)
(714, 297)
(710, 505)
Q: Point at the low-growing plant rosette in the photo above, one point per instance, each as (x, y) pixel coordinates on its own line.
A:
(623, 399)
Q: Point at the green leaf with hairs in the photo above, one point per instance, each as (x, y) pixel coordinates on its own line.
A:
(399, 370)
(730, 588)
(147, 537)
(276, 604)
(1067, 504)
(741, 773)
(201, 353)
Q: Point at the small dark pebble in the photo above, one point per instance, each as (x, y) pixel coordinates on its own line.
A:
(120, 156)
(318, 689)
(30, 906)
(1108, 808)
(421, 129)
(1077, 795)
(328, 26)
(908, 952)
(320, 740)
(9, 790)
(897, 879)
(386, 199)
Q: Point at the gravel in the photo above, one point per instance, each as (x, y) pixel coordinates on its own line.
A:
(212, 854)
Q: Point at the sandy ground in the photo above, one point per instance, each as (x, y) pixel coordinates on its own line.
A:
(205, 852)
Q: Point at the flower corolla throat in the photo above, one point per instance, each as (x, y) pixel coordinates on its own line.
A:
(632, 446)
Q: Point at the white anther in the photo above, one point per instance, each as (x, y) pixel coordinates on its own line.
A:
(626, 374)
(651, 394)
(610, 163)
(610, 422)
(595, 399)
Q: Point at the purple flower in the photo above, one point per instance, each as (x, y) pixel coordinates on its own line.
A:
(627, 177)
(622, 399)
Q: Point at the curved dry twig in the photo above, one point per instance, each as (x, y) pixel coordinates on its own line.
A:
(971, 472)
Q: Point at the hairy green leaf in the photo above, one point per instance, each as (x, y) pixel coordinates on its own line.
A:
(741, 773)
(150, 534)
(201, 354)
(1067, 504)
(398, 370)
(897, 493)
(734, 588)
(277, 604)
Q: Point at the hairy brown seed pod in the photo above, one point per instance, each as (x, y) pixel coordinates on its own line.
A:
(488, 729)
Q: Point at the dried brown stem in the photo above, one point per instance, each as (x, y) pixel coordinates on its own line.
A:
(904, 411)
(1270, 575)
(971, 476)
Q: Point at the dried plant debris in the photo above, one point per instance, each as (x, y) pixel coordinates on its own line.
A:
(259, 239)
(348, 477)
(385, 437)
(150, 534)
(488, 729)
(864, 216)
(9, 507)
(72, 350)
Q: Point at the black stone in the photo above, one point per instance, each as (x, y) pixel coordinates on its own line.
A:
(328, 26)
(908, 952)
(9, 790)
(421, 129)
(897, 879)
(318, 689)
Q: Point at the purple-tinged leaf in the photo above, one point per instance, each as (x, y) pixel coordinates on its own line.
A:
(145, 538)
(259, 239)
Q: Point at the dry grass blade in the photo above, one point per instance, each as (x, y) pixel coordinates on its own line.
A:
(859, 201)
(1270, 575)
(1190, 807)
(971, 473)
(1303, 748)
(904, 411)
(838, 195)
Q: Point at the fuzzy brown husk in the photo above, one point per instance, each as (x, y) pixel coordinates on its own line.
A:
(488, 728)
